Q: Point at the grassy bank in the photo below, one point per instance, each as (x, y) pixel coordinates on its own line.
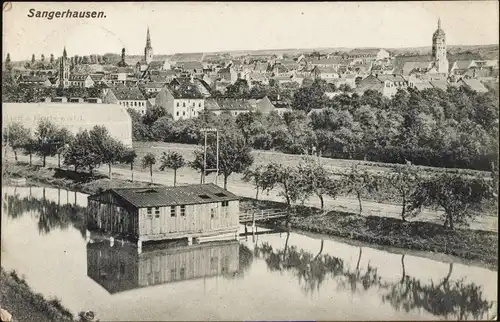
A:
(66, 179)
(476, 245)
(25, 305)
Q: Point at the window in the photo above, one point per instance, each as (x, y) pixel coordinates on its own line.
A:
(177, 113)
(204, 197)
(172, 211)
(220, 194)
(183, 210)
(194, 104)
(149, 210)
(199, 104)
(135, 103)
(157, 212)
(184, 104)
(184, 113)
(182, 273)
(225, 203)
(177, 104)
(212, 213)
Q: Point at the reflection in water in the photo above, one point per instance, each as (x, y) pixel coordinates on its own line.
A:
(448, 299)
(311, 270)
(50, 214)
(327, 266)
(120, 267)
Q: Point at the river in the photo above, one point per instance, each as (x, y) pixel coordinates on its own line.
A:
(272, 276)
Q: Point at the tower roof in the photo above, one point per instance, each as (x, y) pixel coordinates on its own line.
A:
(148, 40)
(439, 32)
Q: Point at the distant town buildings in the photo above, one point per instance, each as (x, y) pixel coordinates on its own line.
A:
(185, 84)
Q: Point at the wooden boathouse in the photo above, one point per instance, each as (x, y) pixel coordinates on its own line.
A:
(161, 213)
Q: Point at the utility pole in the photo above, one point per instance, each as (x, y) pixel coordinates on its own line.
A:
(205, 131)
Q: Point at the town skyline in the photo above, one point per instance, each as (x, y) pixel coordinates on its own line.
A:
(109, 35)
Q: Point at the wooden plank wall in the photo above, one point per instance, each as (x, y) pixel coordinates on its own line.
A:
(188, 263)
(111, 216)
(114, 268)
(198, 218)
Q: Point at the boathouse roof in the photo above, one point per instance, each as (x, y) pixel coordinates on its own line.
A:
(169, 196)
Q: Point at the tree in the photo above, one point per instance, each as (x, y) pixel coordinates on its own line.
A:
(42, 58)
(51, 59)
(62, 141)
(234, 156)
(82, 153)
(311, 97)
(17, 136)
(239, 89)
(172, 160)
(318, 179)
(289, 179)
(147, 162)
(405, 180)
(109, 149)
(359, 182)
(128, 157)
(46, 137)
(255, 176)
(30, 147)
(456, 194)
(33, 60)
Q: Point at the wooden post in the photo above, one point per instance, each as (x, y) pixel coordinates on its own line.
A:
(111, 241)
(139, 246)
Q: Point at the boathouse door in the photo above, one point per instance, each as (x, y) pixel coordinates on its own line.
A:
(156, 221)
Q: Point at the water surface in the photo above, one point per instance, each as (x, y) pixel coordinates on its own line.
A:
(273, 276)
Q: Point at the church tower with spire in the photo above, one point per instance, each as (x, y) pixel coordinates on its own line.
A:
(439, 50)
(64, 70)
(148, 50)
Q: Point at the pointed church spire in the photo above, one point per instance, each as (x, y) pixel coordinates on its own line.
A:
(65, 55)
(148, 40)
(439, 23)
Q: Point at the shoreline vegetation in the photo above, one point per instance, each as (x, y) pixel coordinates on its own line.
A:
(477, 246)
(24, 304)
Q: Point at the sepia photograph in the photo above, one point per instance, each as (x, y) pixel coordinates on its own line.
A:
(249, 161)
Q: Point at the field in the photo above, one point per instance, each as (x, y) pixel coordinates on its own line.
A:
(265, 157)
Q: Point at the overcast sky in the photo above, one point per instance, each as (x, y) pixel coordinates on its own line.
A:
(207, 27)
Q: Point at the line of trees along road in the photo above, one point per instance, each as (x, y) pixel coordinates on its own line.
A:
(456, 194)
(453, 128)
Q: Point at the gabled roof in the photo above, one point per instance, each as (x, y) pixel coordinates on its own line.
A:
(128, 94)
(439, 84)
(156, 64)
(475, 85)
(78, 78)
(211, 105)
(327, 61)
(233, 104)
(462, 64)
(189, 57)
(171, 196)
(391, 77)
(409, 67)
(192, 65)
(364, 51)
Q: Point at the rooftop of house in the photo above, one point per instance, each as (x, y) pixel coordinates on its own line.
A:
(364, 51)
(171, 196)
(229, 104)
(76, 78)
(475, 85)
(189, 57)
(128, 94)
(192, 65)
